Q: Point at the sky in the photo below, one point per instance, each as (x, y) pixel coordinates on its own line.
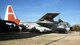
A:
(32, 10)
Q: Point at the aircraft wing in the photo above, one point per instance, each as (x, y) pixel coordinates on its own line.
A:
(48, 17)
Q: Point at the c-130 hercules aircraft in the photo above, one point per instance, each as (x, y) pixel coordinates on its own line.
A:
(47, 23)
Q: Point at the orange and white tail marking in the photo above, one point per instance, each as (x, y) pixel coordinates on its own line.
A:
(10, 15)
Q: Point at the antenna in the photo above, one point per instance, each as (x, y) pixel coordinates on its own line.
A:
(59, 17)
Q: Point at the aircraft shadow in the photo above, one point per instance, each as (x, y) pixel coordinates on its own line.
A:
(21, 35)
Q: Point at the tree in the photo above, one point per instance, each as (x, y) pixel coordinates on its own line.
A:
(76, 27)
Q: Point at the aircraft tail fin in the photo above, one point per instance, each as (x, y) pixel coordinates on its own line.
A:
(10, 15)
(48, 17)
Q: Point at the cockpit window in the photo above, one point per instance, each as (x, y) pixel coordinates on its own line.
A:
(8, 23)
(68, 24)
